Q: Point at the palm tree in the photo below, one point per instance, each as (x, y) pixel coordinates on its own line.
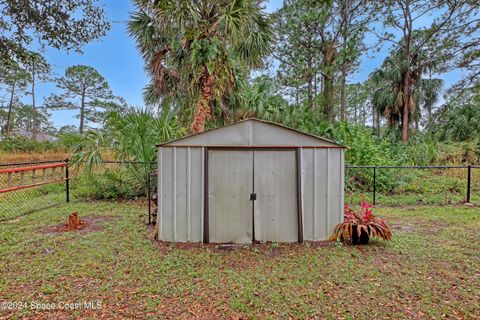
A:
(430, 92)
(197, 50)
(459, 118)
(261, 99)
(388, 98)
(130, 135)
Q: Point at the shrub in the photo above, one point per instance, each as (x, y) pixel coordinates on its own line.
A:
(365, 221)
(110, 184)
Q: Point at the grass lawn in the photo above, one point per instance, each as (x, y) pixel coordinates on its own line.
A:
(431, 269)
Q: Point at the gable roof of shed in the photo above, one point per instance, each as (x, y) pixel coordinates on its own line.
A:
(252, 133)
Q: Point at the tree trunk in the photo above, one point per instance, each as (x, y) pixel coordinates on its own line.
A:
(407, 38)
(355, 113)
(328, 99)
(74, 222)
(82, 112)
(378, 123)
(344, 6)
(343, 81)
(310, 83)
(296, 95)
(328, 81)
(364, 116)
(203, 111)
(310, 93)
(406, 107)
(33, 121)
(10, 110)
(224, 110)
(374, 113)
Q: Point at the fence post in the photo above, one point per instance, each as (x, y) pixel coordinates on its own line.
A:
(149, 197)
(374, 185)
(67, 182)
(469, 182)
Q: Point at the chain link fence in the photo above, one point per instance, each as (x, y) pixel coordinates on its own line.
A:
(31, 186)
(28, 187)
(152, 196)
(404, 185)
(110, 180)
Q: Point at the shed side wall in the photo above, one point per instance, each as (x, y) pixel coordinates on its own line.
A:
(322, 191)
(180, 197)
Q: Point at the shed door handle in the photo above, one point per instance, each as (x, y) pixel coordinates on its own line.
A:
(253, 196)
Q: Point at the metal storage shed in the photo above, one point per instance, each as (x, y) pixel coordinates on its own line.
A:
(247, 182)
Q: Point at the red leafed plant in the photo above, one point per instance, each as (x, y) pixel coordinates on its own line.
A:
(361, 222)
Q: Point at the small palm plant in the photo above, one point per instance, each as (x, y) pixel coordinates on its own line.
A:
(357, 227)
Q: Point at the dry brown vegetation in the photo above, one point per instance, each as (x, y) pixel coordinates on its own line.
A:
(13, 157)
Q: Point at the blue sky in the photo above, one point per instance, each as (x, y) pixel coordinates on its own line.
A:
(114, 56)
(117, 59)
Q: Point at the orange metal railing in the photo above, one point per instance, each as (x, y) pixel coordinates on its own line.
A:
(22, 170)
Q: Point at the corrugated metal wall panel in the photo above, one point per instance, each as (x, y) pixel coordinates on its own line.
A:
(307, 190)
(159, 192)
(196, 195)
(322, 192)
(166, 181)
(335, 188)
(180, 194)
(340, 216)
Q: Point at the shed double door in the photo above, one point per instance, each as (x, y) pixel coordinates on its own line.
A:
(252, 196)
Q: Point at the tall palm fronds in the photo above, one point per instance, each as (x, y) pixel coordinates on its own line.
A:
(388, 98)
(131, 135)
(135, 133)
(429, 94)
(262, 100)
(193, 50)
(459, 118)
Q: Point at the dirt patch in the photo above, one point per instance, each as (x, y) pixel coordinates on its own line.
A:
(320, 244)
(91, 223)
(404, 228)
(430, 227)
(417, 225)
(386, 259)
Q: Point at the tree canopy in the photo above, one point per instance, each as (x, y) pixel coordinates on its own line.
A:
(307, 65)
(61, 24)
(197, 52)
(86, 90)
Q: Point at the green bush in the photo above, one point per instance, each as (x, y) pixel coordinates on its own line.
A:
(110, 184)
(435, 185)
